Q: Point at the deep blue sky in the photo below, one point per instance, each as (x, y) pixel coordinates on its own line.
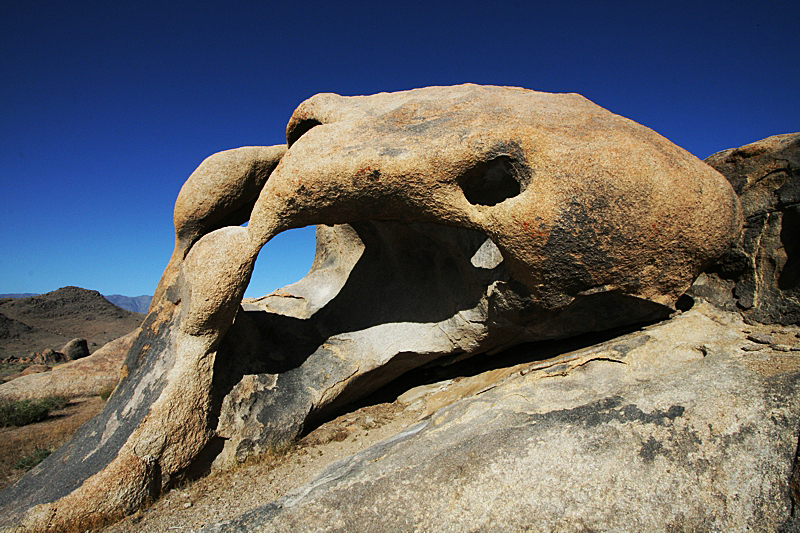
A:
(107, 107)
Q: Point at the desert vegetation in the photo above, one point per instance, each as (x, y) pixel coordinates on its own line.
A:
(24, 412)
(35, 457)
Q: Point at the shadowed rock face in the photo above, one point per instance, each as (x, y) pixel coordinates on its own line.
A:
(465, 219)
(760, 275)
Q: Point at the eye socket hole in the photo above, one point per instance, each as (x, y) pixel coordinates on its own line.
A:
(301, 129)
(491, 182)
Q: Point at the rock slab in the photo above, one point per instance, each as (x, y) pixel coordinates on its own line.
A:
(667, 429)
(88, 376)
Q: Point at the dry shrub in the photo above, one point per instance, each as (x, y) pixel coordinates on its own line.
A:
(19, 442)
(24, 412)
(27, 462)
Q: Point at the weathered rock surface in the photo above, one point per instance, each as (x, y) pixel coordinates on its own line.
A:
(558, 214)
(673, 428)
(760, 276)
(88, 376)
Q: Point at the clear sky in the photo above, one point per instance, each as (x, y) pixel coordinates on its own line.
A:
(107, 107)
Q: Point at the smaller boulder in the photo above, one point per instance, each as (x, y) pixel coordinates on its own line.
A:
(75, 349)
(48, 357)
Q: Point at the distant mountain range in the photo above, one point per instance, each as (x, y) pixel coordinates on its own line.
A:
(137, 304)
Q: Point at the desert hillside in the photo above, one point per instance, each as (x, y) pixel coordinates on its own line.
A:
(51, 320)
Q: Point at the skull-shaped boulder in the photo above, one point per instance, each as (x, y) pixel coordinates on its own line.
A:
(453, 221)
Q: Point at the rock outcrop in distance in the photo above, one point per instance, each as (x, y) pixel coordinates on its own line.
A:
(74, 349)
(452, 221)
(89, 376)
(760, 276)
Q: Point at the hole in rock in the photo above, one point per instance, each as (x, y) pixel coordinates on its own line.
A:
(301, 129)
(286, 258)
(684, 303)
(396, 273)
(491, 182)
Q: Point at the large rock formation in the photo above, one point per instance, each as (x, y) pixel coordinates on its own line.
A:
(760, 276)
(476, 218)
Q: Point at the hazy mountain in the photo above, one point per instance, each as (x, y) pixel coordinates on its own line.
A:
(137, 304)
